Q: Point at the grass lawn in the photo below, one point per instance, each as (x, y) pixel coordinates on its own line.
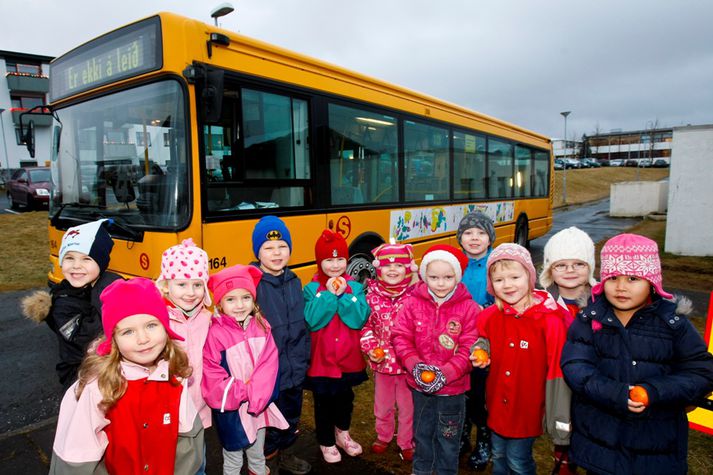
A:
(24, 261)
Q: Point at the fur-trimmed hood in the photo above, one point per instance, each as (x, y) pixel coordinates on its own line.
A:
(36, 306)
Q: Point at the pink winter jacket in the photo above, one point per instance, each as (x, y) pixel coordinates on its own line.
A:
(377, 330)
(438, 335)
(250, 381)
(194, 330)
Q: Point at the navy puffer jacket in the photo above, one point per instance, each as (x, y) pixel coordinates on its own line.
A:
(281, 301)
(660, 350)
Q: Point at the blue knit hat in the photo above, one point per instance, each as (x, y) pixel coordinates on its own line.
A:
(91, 239)
(270, 228)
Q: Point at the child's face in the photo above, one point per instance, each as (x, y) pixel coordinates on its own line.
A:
(334, 266)
(186, 293)
(393, 273)
(141, 339)
(570, 273)
(79, 269)
(511, 283)
(440, 278)
(238, 303)
(627, 294)
(475, 242)
(273, 256)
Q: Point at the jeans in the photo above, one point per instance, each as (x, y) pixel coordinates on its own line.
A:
(438, 423)
(513, 456)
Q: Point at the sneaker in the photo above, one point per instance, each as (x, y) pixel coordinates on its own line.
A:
(345, 442)
(331, 454)
(406, 454)
(294, 465)
(379, 446)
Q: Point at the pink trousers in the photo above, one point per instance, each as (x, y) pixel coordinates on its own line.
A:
(391, 393)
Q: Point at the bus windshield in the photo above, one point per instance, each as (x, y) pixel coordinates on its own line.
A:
(125, 155)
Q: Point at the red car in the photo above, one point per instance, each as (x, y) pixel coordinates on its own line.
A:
(29, 187)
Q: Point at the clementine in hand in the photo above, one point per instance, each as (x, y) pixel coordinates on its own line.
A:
(379, 353)
(639, 394)
(480, 355)
(428, 376)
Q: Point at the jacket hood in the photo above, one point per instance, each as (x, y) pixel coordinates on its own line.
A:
(662, 307)
(36, 306)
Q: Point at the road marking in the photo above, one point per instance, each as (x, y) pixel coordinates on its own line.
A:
(11, 211)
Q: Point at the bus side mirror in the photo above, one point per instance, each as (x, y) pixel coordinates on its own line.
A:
(29, 137)
(212, 96)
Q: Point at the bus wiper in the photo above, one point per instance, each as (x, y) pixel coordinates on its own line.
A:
(54, 220)
(115, 221)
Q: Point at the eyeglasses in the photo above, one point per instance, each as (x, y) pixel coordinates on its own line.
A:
(576, 266)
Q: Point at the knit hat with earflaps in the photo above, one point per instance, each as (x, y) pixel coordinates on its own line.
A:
(186, 261)
(511, 252)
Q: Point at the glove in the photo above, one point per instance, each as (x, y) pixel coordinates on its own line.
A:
(432, 386)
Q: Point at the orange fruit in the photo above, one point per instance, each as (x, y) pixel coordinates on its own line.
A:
(428, 376)
(379, 353)
(480, 355)
(639, 394)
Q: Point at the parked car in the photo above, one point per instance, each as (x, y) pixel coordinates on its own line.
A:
(559, 164)
(617, 162)
(660, 163)
(645, 163)
(29, 187)
(571, 163)
(631, 163)
(590, 163)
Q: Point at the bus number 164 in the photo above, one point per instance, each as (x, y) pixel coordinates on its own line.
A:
(217, 262)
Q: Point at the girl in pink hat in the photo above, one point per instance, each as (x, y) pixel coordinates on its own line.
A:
(632, 335)
(525, 330)
(240, 366)
(130, 412)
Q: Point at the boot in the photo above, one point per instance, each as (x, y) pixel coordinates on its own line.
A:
(465, 438)
(480, 456)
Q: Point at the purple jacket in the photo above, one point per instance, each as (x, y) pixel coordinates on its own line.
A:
(438, 335)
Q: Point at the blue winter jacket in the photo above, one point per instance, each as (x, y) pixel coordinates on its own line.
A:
(660, 350)
(281, 301)
(475, 279)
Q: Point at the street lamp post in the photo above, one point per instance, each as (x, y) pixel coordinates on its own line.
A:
(564, 169)
(221, 10)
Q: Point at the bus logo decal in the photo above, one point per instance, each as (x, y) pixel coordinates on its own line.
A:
(144, 261)
(344, 226)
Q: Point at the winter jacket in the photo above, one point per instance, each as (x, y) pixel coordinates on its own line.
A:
(574, 306)
(377, 330)
(475, 279)
(660, 350)
(194, 330)
(153, 428)
(240, 367)
(74, 314)
(281, 301)
(438, 335)
(525, 383)
(335, 323)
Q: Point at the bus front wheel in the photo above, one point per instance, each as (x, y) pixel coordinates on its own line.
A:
(521, 233)
(360, 267)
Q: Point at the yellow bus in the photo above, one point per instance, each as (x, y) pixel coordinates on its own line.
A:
(175, 128)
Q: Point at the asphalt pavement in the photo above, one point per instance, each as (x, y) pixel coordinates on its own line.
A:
(30, 393)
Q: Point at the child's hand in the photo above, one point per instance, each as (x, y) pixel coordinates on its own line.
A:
(337, 285)
(377, 355)
(480, 358)
(635, 407)
(638, 399)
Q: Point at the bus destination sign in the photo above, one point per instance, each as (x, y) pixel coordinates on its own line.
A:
(118, 55)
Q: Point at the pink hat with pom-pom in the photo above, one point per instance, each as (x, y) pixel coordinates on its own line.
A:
(186, 261)
(393, 253)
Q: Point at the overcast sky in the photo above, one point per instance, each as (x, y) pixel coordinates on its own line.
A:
(614, 64)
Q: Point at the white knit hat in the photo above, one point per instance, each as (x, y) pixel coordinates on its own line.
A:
(570, 243)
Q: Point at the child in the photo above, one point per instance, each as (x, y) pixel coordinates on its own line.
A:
(568, 269)
(279, 295)
(395, 269)
(240, 365)
(130, 411)
(432, 337)
(72, 309)
(335, 311)
(568, 275)
(631, 335)
(183, 283)
(525, 329)
(476, 236)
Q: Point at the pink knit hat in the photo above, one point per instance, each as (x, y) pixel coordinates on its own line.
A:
(235, 277)
(124, 298)
(392, 253)
(511, 252)
(186, 261)
(446, 253)
(631, 254)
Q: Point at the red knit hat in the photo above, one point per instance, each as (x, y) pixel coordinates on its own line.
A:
(235, 277)
(511, 252)
(329, 245)
(446, 253)
(124, 298)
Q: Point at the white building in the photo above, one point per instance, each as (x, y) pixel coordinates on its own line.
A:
(24, 84)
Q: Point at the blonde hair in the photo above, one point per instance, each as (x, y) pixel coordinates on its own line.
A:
(106, 370)
(507, 264)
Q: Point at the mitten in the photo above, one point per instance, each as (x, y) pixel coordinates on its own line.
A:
(434, 378)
